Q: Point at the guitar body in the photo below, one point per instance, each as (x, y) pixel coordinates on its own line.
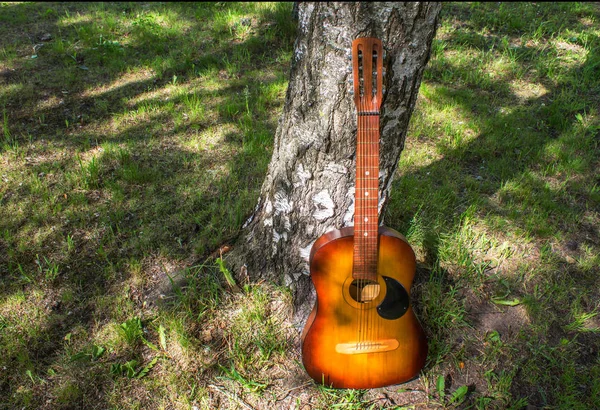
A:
(347, 344)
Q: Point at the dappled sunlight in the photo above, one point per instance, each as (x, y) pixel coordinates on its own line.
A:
(6, 91)
(213, 138)
(128, 78)
(87, 157)
(163, 94)
(417, 155)
(48, 104)
(526, 90)
(475, 252)
(24, 310)
(75, 18)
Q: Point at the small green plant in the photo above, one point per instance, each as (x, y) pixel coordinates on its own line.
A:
(97, 352)
(131, 370)
(453, 400)
(29, 374)
(226, 273)
(246, 93)
(90, 172)
(24, 276)
(8, 141)
(579, 322)
(124, 369)
(352, 399)
(145, 24)
(70, 243)
(132, 331)
(109, 45)
(162, 337)
(93, 354)
(248, 384)
(47, 268)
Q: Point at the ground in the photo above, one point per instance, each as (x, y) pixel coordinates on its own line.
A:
(135, 138)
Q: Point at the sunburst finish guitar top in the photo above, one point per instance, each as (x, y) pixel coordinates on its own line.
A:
(362, 332)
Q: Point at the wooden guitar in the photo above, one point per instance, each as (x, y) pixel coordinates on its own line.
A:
(362, 332)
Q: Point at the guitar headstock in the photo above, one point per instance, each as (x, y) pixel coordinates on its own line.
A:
(367, 67)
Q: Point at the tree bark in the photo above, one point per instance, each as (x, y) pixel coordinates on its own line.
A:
(309, 187)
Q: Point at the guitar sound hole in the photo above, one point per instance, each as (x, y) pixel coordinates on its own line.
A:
(364, 290)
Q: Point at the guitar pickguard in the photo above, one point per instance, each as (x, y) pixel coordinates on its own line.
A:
(396, 301)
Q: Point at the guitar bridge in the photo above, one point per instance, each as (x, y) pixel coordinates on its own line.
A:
(367, 346)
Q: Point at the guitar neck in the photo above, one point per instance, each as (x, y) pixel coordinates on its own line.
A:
(366, 216)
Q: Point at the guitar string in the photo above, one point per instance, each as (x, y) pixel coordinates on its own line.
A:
(366, 72)
(371, 164)
(373, 243)
(366, 84)
(372, 198)
(359, 192)
(370, 167)
(378, 131)
(357, 237)
(357, 198)
(368, 200)
(360, 195)
(363, 165)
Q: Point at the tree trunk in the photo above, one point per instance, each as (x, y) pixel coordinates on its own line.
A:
(309, 187)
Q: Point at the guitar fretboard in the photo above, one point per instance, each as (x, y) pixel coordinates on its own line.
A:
(366, 221)
(367, 71)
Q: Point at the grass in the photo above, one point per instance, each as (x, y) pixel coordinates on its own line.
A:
(126, 161)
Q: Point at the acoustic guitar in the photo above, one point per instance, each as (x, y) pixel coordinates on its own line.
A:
(362, 331)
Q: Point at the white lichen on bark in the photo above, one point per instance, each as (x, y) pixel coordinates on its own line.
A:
(324, 205)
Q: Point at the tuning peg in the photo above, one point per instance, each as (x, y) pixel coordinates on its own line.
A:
(351, 92)
(349, 56)
(384, 54)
